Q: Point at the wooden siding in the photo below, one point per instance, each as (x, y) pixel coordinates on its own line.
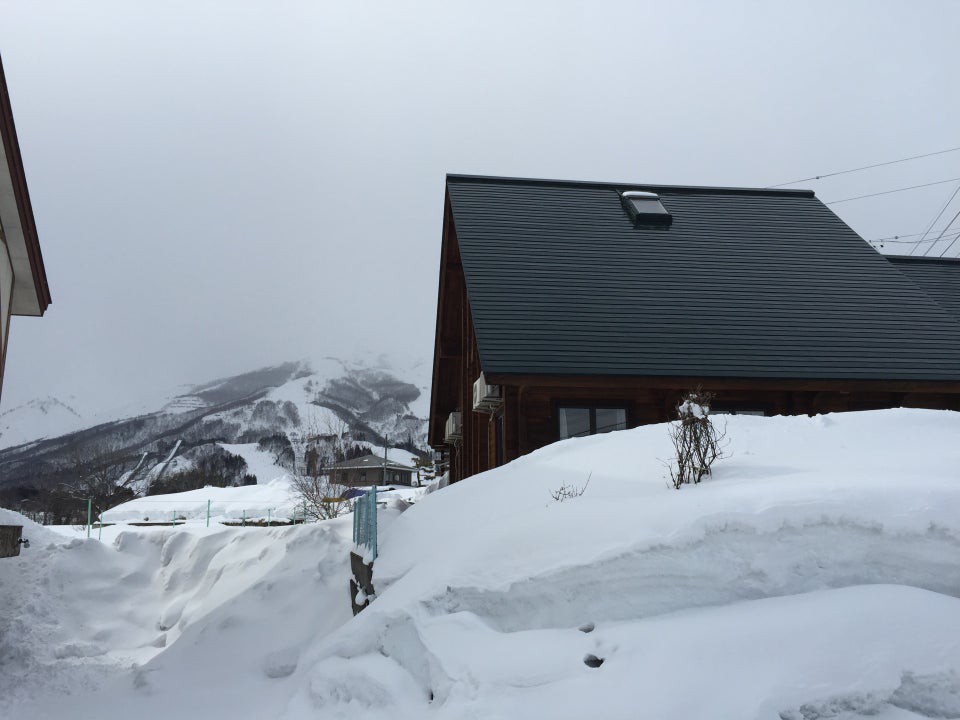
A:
(530, 412)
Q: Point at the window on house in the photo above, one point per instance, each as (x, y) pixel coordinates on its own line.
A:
(641, 206)
(580, 421)
(737, 411)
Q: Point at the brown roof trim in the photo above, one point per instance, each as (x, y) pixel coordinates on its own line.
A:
(721, 383)
(11, 148)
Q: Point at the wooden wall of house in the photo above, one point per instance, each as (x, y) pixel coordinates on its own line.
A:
(531, 422)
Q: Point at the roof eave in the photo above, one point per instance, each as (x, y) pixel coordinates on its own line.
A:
(31, 293)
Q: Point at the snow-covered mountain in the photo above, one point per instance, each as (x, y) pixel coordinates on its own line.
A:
(46, 440)
(37, 419)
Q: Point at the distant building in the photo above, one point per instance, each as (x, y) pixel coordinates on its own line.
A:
(23, 280)
(369, 470)
(572, 308)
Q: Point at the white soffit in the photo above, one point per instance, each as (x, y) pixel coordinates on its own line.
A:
(25, 299)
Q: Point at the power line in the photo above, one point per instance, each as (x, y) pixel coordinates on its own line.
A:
(888, 192)
(944, 230)
(897, 239)
(866, 167)
(934, 221)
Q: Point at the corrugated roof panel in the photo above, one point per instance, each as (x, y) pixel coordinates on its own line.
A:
(939, 278)
(741, 284)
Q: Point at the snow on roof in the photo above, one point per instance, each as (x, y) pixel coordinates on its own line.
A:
(372, 461)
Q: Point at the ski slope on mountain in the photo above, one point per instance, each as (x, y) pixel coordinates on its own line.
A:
(815, 575)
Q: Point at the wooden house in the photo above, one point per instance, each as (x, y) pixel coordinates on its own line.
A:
(23, 280)
(569, 308)
(370, 469)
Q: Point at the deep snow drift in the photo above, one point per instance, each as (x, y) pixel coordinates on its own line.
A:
(223, 613)
(815, 575)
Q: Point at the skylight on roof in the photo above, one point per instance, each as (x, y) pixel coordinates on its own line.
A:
(644, 206)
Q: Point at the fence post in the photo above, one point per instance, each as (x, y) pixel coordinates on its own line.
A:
(100, 528)
(269, 510)
(208, 513)
(373, 523)
(89, 510)
(243, 521)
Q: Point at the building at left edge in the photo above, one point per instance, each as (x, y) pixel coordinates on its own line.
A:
(23, 280)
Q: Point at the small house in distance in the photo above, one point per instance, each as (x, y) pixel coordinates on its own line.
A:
(571, 308)
(370, 470)
(23, 280)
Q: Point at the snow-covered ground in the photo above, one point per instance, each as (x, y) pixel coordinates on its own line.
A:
(223, 613)
(271, 498)
(815, 575)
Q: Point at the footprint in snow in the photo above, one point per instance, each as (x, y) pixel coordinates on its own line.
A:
(592, 661)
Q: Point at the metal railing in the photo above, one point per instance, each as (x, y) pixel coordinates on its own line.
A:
(365, 521)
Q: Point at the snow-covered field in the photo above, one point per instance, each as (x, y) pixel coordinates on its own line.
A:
(271, 498)
(815, 575)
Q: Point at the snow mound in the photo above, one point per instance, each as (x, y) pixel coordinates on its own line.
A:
(38, 535)
(815, 575)
(230, 503)
(167, 618)
(780, 579)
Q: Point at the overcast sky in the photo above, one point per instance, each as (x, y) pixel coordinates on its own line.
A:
(223, 185)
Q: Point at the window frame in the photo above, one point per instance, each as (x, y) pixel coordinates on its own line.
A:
(739, 408)
(592, 406)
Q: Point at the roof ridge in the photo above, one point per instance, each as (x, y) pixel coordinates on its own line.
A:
(619, 186)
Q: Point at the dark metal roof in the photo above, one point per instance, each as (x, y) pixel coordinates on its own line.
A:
(751, 283)
(937, 277)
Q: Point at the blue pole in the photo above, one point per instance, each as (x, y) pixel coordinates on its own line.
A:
(373, 524)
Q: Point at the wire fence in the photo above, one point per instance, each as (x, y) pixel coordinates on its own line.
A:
(200, 511)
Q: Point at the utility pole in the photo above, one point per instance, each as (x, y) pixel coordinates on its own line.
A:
(385, 459)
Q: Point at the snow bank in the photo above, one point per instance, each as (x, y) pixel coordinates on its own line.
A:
(230, 503)
(482, 586)
(167, 619)
(37, 534)
(880, 476)
(815, 575)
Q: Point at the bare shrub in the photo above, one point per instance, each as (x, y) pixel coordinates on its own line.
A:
(312, 479)
(568, 492)
(696, 441)
(318, 497)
